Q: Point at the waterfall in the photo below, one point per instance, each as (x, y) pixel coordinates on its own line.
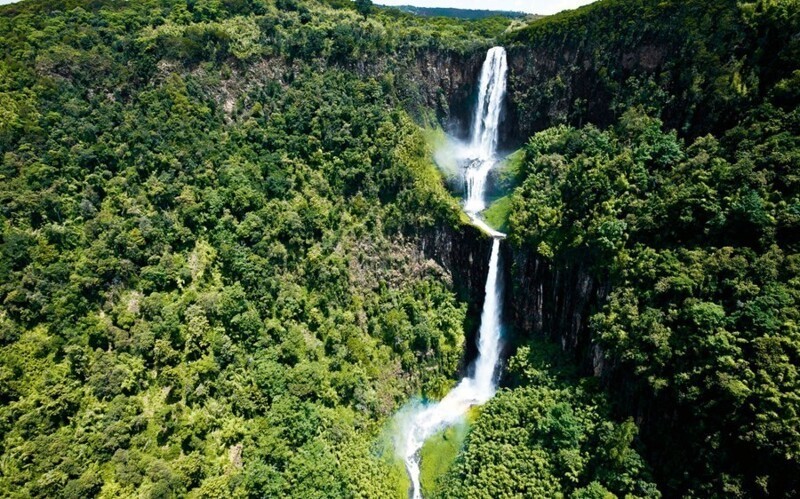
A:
(482, 384)
(491, 91)
(483, 146)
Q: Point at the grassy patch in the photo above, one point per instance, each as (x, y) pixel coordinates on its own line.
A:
(392, 465)
(438, 454)
(496, 215)
(509, 170)
(508, 178)
(445, 153)
(441, 450)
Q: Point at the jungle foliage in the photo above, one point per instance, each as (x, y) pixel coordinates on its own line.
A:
(682, 198)
(209, 279)
(699, 244)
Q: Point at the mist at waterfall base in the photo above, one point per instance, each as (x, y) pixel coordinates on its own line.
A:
(419, 421)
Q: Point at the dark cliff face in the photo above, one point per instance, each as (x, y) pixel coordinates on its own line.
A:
(447, 83)
(698, 66)
(555, 301)
(548, 87)
(433, 84)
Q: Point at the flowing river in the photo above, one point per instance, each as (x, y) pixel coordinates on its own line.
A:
(481, 385)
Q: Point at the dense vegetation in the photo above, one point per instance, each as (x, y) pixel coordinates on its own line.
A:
(549, 433)
(682, 199)
(698, 240)
(207, 280)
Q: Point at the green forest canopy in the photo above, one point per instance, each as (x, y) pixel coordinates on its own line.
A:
(211, 283)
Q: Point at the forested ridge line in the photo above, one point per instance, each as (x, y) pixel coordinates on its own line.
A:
(698, 66)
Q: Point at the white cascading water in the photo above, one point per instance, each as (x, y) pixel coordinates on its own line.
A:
(481, 385)
(483, 146)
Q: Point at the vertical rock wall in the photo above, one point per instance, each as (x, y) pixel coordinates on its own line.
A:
(555, 300)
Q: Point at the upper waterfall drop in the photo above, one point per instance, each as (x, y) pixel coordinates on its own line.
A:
(492, 91)
(481, 385)
(483, 143)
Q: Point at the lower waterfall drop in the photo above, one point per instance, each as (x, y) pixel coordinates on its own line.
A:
(475, 390)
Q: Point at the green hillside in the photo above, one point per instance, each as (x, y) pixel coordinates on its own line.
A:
(209, 281)
(679, 201)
